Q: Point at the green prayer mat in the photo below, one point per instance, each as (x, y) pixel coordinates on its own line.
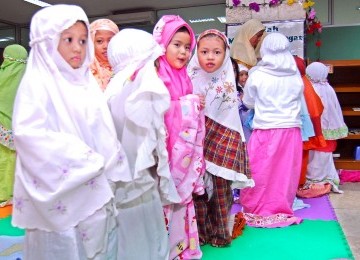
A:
(310, 240)
(6, 229)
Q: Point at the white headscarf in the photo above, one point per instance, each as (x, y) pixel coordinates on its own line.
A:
(218, 87)
(242, 67)
(276, 57)
(138, 100)
(332, 120)
(68, 152)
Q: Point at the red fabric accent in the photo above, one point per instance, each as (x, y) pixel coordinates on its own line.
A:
(330, 146)
(300, 63)
(314, 190)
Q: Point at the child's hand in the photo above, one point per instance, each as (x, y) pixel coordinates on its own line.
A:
(202, 101)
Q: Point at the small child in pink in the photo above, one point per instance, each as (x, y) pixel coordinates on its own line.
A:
(184, 123)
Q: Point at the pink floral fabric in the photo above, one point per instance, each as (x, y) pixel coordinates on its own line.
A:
(187, 169)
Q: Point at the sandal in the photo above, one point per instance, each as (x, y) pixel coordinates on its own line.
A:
(220, 245)
(220, 242)
(239, 225)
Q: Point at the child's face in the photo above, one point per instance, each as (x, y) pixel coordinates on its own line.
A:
(73, 43)
(254, 41)
(101, 42)
(211, 53)
(178, 50)
(243, 76)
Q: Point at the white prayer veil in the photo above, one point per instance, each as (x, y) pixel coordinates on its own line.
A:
(68, 153)
(317, 72)
(332, 120)
(138, 100)
(276, 56)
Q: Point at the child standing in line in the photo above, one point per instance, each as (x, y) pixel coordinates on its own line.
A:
(274, 89)
(246, 114)
(138, 100)
(65, 177)
(102, 30)
(241, 75)
(11, 71)
(212, 75)
(321, 169)
(315, 109)
(185, 129)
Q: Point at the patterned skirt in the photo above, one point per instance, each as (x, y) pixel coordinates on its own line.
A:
(223, 147)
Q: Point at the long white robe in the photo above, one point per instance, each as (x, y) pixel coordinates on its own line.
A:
(69, 158)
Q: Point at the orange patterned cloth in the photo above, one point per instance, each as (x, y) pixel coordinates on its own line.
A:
(101, 69)
(315, 108)
(5, 211)
(314, 190)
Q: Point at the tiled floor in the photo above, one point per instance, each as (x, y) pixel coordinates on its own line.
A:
(347, 209)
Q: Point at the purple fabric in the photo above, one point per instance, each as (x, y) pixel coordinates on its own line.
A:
(320, 209)
(236, 207)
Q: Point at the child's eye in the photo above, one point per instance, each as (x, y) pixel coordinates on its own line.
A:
(82, 42)
(68, 40)
(203, 52)
(99, 41)
(217, 52)
(187, 48)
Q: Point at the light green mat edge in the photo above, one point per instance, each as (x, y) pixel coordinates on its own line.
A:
(310, 240)
(7, 230)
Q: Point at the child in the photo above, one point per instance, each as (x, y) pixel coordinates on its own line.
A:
(274, 89)
(243, 75)
(185, 129)
(321, 169)
(138, 100)
(315, 109)
(64, 180)
(246, 115)
(11, 72)
(212, 75)
(102, 30)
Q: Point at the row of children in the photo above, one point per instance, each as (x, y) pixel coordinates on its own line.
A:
(97, 173)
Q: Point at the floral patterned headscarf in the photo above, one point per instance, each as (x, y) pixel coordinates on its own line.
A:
(218, 87)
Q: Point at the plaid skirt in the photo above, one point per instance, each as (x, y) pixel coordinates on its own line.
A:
(223, 147)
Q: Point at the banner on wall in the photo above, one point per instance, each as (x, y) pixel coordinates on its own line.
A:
(293, 30)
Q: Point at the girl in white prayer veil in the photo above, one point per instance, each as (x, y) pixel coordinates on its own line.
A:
(138, 100)
(321, 169)
(69, 158)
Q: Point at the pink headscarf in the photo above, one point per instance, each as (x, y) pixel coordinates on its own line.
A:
(177, 81)
(101, 69)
